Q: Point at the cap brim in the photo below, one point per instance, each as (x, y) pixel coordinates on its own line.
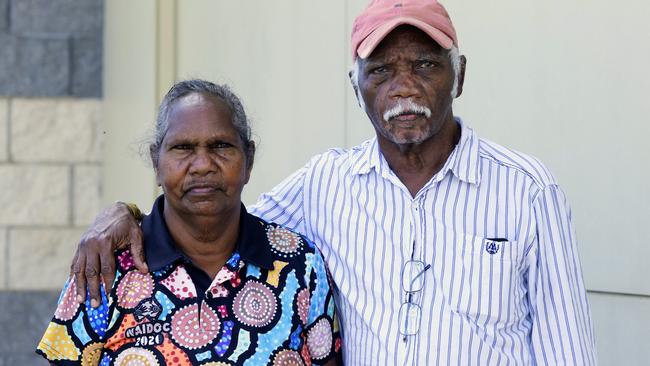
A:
(372, 41)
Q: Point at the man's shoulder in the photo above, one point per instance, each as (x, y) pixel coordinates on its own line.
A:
(341, 159)
(528, 165)
(343, 154)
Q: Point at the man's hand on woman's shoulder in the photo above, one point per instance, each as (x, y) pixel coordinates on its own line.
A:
(114, 228)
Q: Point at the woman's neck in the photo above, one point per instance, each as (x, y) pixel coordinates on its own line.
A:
(208, 241)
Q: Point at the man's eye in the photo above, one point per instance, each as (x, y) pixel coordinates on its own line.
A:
(379, 70)
(426, 64)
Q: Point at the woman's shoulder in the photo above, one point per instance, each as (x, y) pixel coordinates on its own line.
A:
(287, 244)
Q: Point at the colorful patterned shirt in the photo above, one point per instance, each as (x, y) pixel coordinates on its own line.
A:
(271, 304)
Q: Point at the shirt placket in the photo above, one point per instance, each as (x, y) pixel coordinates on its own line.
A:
(416, 255)
(217, 288)
(413, 243)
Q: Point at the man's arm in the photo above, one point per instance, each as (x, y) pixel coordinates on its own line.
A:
(562, 332)
(114, 228)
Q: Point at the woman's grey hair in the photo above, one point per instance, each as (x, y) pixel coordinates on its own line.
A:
(186, 87)
(454, 58)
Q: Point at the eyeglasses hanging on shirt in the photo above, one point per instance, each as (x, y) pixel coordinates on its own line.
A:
(412, 283)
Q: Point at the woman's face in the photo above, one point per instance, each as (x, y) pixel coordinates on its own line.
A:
(202, 166)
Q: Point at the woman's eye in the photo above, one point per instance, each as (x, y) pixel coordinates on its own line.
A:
(220, 145)
(182, 147)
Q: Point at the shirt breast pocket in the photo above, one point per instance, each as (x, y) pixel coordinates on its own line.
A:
(489, 280)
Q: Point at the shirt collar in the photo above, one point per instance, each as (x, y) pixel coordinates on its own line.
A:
(368, 159)
(160, 249)
(463, 161)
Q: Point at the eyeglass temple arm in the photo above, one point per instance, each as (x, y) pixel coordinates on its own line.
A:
(420, 274)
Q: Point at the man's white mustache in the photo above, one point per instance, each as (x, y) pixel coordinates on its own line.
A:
(406, 107)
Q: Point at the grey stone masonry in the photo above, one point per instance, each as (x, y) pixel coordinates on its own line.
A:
(42, 67)
(4, 15)
(23, 319)
(86, 67)
(56, 16)
(51, 48)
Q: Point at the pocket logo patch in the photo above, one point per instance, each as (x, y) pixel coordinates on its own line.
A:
(492, 247)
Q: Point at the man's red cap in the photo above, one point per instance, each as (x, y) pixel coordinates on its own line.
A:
(382, 16)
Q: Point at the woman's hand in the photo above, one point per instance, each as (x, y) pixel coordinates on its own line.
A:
(114, 228)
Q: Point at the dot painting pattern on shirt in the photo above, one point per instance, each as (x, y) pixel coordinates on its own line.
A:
(266, 316)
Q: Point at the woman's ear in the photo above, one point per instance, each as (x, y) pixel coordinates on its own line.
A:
(153, 153)
(250, 159)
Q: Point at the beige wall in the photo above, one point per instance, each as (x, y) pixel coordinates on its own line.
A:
(130, 98)
(294, 90)
(561, 80)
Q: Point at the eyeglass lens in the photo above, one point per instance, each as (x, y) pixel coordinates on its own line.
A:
(413, 276)
(409, 318)
(412, 281)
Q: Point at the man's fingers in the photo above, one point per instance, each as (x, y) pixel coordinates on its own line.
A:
(137, 249)
(79, 276)
(92, 277)
(74, 260)
(107, 265)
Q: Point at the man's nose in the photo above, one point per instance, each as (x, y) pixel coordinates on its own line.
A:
(403, 85)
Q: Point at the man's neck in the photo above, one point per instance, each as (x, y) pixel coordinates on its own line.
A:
(208, 241)
(416, 164)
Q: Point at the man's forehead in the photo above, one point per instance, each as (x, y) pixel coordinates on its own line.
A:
(406, 38)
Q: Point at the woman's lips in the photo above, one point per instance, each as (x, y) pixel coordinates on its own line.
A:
(202, 189)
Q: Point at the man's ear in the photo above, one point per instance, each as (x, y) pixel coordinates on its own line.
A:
(461, 75)
(355, 86)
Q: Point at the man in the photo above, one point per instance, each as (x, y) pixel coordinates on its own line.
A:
(445, 248)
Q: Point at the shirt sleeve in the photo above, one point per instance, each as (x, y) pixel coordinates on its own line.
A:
(323, 337)
(284, 204)
(562, 332)
(75, 335)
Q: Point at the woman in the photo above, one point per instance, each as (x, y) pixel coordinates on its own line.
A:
(224, 287)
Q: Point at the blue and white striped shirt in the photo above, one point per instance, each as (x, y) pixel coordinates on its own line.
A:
(505, 285)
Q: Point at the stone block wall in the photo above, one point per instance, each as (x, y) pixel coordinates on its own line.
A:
(50, 190)
(50, 186)
(50, 156)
